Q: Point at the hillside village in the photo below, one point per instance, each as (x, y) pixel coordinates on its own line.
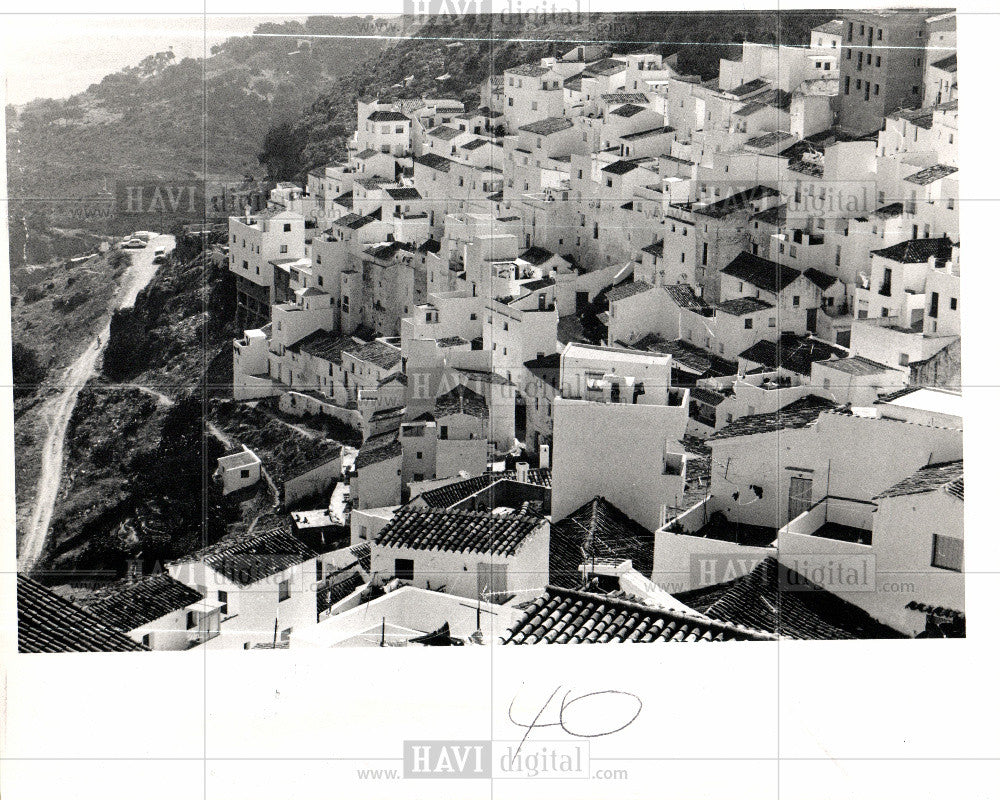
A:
(632, 356)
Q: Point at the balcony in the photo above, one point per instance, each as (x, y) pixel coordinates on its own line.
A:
(835, 519)
(705, 520)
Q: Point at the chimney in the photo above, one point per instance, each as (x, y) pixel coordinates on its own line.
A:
(521, 471)
(543, 456)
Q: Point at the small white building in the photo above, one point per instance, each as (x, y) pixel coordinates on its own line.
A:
(155, 611)
(257, 589)
(488, 555)
(237, 470)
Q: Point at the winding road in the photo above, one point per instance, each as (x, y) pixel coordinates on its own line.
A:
(59, 409)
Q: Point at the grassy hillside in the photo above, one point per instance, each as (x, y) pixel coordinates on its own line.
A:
(164, 119)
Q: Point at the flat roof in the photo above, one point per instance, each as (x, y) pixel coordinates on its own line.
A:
(935, 401)
(596, 352)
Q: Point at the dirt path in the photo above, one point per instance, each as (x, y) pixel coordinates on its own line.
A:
(58, 410)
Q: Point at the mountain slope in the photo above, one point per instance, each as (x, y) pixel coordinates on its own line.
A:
(167, 120)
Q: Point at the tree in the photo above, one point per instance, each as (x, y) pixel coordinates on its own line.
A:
(28, 371)
(119, 259)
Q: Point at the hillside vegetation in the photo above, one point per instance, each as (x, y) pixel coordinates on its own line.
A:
(164, 119)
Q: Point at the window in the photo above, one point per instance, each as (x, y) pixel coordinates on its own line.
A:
(146, 640)
(224, 599)
(954, 304)
(904, 359)
(288, 227)
(286, 634)
(420, 454)
(947, 553)
(283, 248)
(933, 311)
(284, 590)
(244, 473)
(192, 620)
(404, 569)
(795, 300)
(748, 323)
(826, 383)
(771, 322)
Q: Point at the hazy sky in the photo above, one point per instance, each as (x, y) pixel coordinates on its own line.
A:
(58, 55)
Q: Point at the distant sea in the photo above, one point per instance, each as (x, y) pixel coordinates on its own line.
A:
(56, 56)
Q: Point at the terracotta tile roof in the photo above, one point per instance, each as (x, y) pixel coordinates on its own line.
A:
(750, 108)
(130, 605)
(624, 290)
(696, 359)
(529, 70)
(833, 26)
(377, 448)
(544, 127)
(799, 414)
(707, 396)
(948, 63)
(791, 607)
(891, 210)
(768, 139)
(563, 616)
(793, 352)
(606, 66)
(625, 166)
(444, 132)
(458, 531)
(251, 559)
(628, 110)
(856, 365)
(661, 129)
(382, 355)
(403, 193)
(624, 97)
(821, 279)
(740, 201)
(362, 551)
(775, 215)
(748, 88)
(327, 596)
(654, 249)
(461, 400)
(388, 116)
(597, 530)
(536, 255)
(930, 174)
(685, 297)
(948, 475)
(434, 161)
(325, 345)
(475, 144)
(741, 306)
(450, 494)
(761, 272)
(915, 251)
(48, 623)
